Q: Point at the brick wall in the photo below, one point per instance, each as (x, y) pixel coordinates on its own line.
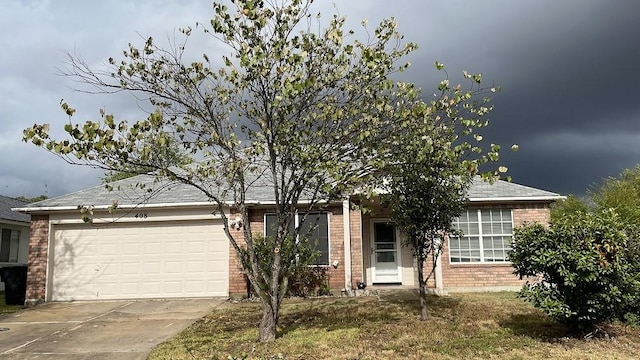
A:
(531, 213)
(428, 266)
(237, 280)
(489, 275)
(38, 253)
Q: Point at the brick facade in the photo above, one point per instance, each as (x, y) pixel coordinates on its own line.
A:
(531, 213)
(357, 264)
(237, 280)
(488, 275)
(466, 277)
(460, 276)
(336, 247)
(38, 253)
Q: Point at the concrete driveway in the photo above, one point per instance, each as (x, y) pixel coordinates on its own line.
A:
(97, 330)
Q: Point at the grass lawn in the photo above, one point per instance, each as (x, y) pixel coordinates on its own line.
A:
(479, 325)
(7, 309)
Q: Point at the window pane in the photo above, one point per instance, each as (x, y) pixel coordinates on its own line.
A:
(454, 243)
(506, 242)
(15, 244)
(474, 229)
(315, 228)
(323, 247)
(384, 232)
(496, 228)
(385, 246)
(486, 228)
(270, 225)
(464, 256)
(464, 227)
(5, 245)
(474, 242)
(486, 215)
(386, 256)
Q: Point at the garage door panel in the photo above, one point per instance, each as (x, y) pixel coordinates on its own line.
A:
(174, 267)
(130, 248)
(173, 248)
(153, 248)
(121, 261)
(130, 267)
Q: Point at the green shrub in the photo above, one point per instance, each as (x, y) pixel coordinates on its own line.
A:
(309, 281)
(586, 268)
(303, 279)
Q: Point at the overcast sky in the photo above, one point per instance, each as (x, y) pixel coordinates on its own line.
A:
(569, 70)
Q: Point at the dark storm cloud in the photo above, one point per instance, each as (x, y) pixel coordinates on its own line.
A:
(574, 108)
(569, 72)
(568, 69)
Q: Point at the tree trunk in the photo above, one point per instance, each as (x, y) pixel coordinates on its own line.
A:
(269, 323)
(423, 290)
(271, 304)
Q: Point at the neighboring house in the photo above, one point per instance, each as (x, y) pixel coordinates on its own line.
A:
(14, 232)
(172, 245)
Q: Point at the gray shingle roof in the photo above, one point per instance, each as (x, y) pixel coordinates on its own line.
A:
(144, 189)
(6, 204)
(481, 190)
(127, 193)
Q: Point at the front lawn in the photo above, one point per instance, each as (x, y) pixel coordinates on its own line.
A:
(486, 325)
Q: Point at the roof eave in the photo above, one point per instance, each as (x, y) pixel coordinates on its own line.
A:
(106, 207)
(517, 198)
(259, 203)
(149, 206)
(14, 222)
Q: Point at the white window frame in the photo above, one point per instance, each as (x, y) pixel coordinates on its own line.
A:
(481, 237)
(297, 224)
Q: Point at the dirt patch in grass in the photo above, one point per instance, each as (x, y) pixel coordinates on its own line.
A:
(487, 325)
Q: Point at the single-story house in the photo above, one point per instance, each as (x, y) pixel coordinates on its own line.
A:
(14, 232)
(172, 244)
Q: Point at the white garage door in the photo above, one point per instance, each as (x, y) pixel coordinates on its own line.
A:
(140, 260)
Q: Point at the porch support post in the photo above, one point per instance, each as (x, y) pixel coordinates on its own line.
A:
(347, 245)
(438, 275)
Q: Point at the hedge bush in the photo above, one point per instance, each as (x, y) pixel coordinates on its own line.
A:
(582, 270)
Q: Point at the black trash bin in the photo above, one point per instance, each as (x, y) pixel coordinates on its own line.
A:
(15, 283)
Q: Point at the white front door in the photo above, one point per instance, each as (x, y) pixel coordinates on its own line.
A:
(385, 254)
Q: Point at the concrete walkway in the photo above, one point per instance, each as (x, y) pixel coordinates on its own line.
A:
(97, 330)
